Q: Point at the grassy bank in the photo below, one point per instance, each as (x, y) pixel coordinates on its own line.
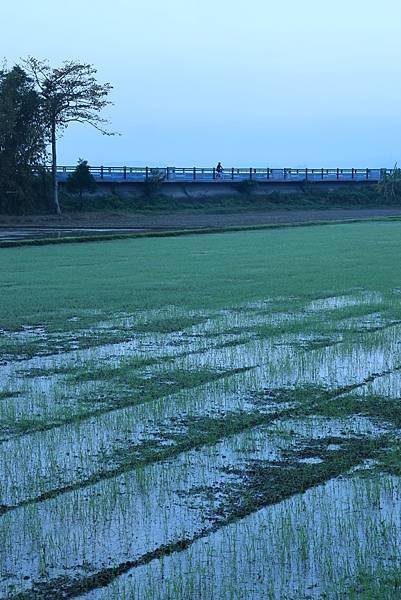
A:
(243, 198)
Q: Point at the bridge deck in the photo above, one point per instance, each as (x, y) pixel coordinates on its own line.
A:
(198, 174)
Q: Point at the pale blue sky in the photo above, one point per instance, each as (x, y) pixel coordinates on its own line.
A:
(249, 83)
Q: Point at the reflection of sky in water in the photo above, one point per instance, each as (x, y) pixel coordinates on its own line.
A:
(312, 544)
(128, 515)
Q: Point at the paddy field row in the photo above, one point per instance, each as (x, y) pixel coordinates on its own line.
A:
(203, 417)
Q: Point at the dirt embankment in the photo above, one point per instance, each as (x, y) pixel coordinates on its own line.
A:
(190, 219)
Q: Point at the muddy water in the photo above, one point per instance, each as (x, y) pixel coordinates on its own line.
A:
(135, 513)
(275, 363)
(104, 514)
(310, 546)
(37, 233)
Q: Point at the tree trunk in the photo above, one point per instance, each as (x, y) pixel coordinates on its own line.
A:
(54, 171)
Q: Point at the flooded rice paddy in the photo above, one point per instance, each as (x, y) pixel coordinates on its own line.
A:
(246, 452)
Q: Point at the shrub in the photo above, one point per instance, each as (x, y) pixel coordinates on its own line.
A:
(153, 184)
(81, 180)
(390, 185)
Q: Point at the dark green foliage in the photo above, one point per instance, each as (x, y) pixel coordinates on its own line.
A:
(347, 196)
(22, 144)
(81, 180)
(254, 198)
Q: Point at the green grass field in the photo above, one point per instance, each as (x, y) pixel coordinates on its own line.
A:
(48, 284)
(203, 417)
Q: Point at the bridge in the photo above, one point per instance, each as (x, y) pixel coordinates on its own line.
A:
(232, 174)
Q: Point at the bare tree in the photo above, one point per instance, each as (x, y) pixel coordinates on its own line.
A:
(69, 94)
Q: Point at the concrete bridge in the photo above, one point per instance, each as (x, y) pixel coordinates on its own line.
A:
(228, 175)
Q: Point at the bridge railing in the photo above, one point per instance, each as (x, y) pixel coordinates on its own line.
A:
(208, 174)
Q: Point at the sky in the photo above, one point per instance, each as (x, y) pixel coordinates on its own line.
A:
(255, 83)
